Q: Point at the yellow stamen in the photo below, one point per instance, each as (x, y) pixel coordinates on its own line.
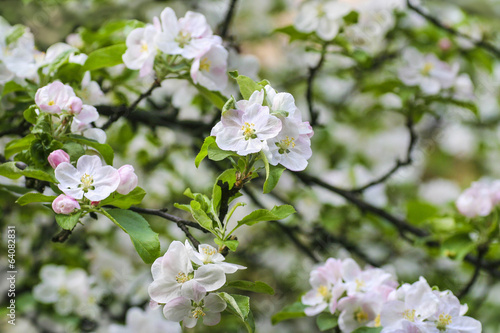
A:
(427, 68)
(183, 38)
(409, 315)
(144, 47)
(361, 316)
(285, 144)
(323, 291)
(377, 321)
(205, 64)
(181, 277)
(87, 181)
(248, 131)
(359, 284)
(52, 103)
(443, 321)
(198, 312)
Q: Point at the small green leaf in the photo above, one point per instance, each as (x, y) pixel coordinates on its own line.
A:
(295, 310)
(230, 105)
(275, 214)
(145, 240)
(229, 177)
(238, 304)
(273, 177)
(256, 287)
(68, 222)
(368, 330)
(74, 150)
(11, 86)
(106, 57)
(204, 150)
(201, 216)
(247, 86)
(232, 244)
(34, 197)
(418, 212)
(457, 246)
(30, 114)
(125, 201)
(326, 321)
(16, 146)
(16, 32)
(215, 97)
(186, 208)
(294, 33)
(10, 170)
(103, 148)
(217, 154)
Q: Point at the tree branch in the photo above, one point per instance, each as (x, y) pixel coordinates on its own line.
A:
(477, 269)
(227, 20)
(313, 71)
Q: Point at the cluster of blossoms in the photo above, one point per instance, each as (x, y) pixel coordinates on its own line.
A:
(433, 75)
(69, 290)
(60, 99)
(189, 37)
(150, 320)
(369, 298)
(182, 280)
(270, 122)
(479, 199)
(326, 18)
(90, 180)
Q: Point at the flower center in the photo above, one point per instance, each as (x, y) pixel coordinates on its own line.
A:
(443, 321)
(427, 68)
(87, 181)
(285, 144)
(360, 316)
(183, 38)
(205, 64)
(198, 312)
(144, 47)
(181, 278)
(324, 291)
(248, 131)
(377, 321)
(51, 103)
(409, 315)
(320, 10)
(359, 284)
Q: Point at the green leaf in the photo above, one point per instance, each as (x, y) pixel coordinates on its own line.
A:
(74, 150)
(215, 97)
(60, 60)
(125, 201)
(418, 212)
(231, 244)
(34, 197)
(204, 150)
(103, 148)
(240, 306)
(260, 215)
(217, 154)
(230, 105)
(247, 86)
(294, 33)
(256, 287)
(368, 330)
(186, 208)
(273, 177)
(106, 57)
(457, 246)
(326, 321)
(201, 216)
(10, 170)
(229, 177)
(145, 240)
(68, 222)
(16, 146)
(30, 115)
(11, 86)
(16, 33)
(351, 18)
(295, 310)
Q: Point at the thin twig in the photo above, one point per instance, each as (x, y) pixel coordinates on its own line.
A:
(478, 43)
(227, 20)
(313, 71)
(399, 163)
(477, 269)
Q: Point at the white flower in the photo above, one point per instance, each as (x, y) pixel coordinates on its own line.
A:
(358, 311)
(91, 92)
(415, 303)
(173, 275)
(82, 124)
(195, 305)
(209, 69)
(189, 36)
(427, 72)
(476, 200)
(54, 97)
(150, 320)
(327, 288)
(246, 129)
(90, 178)
(368, 280)
(323, 17)
(208, 255)
(141, 49)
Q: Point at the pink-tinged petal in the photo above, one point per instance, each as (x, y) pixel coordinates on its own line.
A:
(190, 322)
(87, 114)
(211, 318)
(162, 291)
(230, 268)
(153, 305)
(210, 277)
(271, 129)
(284, 102)
(213, 303)
(88, 164)
(314, 310)
(196, 24)
(232, 118)
(176, 260)
(106, 181)
(169, 20)
(96, 134)
(156, 269)
(465, 325)
(350, 270)
(177, 309)
(193, 290)
(67, 175)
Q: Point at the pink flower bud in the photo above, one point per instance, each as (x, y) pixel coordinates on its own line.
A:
(64, 204)
(74, 105)
(128, 179)
(94, 203)
(445, 44)
(57, 157)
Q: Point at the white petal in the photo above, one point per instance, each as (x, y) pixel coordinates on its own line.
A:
(210, 277)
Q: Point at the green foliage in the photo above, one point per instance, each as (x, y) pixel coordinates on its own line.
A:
(294, 34)
(240, 306)
(125, 201)
(11, 86)
(103, 148)
(368, 330)
(18, 145)
(292, 311)
(145, 240)
(106, 57)
(34, 197)
(231, 244)
(68, 222)
(260, 215)
(256, 287)
(326, 321)
(204, 150)
(10, 170)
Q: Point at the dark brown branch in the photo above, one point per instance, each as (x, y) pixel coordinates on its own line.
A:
(478, 43)
(125, 111)
(228, 18)
(399, 163)
(61, 236)
(313, 71)
(477, 269)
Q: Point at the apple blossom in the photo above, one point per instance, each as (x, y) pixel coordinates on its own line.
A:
(208, 255)
(57, 157)
(82, 124)
(128, 179)
(209, 69)
(246, 129)
(476, 200)
(90, 178)
(54, 97)
(138, 320)
(360, 310)
(173, 274)
(194, 305)
(190, 36)
(64, 204)
(141, 49)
